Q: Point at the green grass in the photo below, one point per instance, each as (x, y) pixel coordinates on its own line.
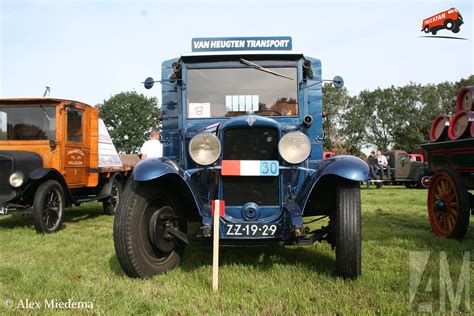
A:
(79, 263)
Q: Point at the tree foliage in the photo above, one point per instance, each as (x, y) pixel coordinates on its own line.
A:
(129, 118)
(390, 118)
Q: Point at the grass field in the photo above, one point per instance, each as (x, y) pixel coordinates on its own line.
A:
(79, 264)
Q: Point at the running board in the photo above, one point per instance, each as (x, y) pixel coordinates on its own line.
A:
(91, 198)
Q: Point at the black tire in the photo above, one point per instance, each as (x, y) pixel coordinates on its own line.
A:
(347, 230)
(426, 29)
(110, 205)
(434, 32)
(139, 256)
(411, 184)
(48, 207)
(449, 24)
(456, 29)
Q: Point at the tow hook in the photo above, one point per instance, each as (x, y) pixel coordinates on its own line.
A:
(299, 231)
(206, 230)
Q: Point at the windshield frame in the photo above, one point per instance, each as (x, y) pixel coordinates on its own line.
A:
(35, 104)
(267, 63)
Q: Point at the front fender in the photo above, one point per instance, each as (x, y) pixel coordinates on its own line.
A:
(155, 168)
(346, 167)
(40, 175)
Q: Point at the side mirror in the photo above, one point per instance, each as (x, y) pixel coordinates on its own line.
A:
(338, 82)
(149, 82)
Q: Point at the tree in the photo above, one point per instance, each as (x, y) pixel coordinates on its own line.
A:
(335, 102)
(392, 118)
(129, 118)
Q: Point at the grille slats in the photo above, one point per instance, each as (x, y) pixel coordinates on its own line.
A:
(250, 143)
(5, 171)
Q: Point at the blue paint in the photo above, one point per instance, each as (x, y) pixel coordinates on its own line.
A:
(295, 182)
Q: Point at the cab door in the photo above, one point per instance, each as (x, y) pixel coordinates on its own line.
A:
(75, 151)
(404, 165)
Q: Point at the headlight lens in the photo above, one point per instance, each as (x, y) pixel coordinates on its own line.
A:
(16, 179)
(294, 147)
(205, 148)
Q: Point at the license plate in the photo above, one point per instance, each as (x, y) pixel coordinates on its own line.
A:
(250, 168)
(251, 230)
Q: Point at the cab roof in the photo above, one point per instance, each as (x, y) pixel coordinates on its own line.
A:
(43, 100)
(235, 55)
(244, 52)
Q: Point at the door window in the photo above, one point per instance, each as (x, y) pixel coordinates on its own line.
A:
(74, 125)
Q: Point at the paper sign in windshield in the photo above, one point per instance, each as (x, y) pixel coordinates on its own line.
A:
(199, 110)
(241, 103)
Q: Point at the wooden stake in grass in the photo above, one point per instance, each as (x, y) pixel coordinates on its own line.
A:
(218, 211)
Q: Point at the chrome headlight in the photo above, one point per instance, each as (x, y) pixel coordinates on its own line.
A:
(294, 147)
(16, 179)
(205, 148)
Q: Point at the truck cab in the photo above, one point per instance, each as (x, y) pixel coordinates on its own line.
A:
(242, 126)
(49, 159)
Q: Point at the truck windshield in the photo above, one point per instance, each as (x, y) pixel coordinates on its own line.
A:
(37, 122)
(235, 91)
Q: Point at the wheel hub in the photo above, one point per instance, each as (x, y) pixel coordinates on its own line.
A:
(160, 221)
(440, 205)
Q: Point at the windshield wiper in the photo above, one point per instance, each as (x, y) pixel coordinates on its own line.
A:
(258, 67)
(44, 111)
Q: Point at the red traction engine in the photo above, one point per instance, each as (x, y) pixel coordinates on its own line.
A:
(450, 157)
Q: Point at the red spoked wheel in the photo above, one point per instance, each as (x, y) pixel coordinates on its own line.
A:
(448, 204)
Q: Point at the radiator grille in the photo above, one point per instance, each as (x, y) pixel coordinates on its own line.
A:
(250, 143)
(5, 171)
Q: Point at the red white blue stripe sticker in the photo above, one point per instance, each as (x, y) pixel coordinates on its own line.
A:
(250, 168)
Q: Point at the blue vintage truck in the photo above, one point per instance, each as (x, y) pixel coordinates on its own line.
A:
(242, 123)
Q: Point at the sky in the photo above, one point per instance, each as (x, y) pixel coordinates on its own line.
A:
(91, 50)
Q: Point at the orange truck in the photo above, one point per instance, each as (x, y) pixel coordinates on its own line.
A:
(55, 153)
(450, 19)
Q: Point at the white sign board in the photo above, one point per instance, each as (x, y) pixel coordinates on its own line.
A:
(108, 156)
(199, 110)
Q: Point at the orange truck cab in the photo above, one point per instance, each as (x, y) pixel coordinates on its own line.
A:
(450, 19)
(55, 153)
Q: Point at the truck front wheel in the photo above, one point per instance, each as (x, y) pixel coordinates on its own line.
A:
(48, 207)
(110, 205)
(347, 230)
(142, 238)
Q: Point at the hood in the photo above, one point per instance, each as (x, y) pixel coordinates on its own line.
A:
(24, 161)
(250, 120)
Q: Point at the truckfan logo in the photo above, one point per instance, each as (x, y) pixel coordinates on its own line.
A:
(450, 19)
